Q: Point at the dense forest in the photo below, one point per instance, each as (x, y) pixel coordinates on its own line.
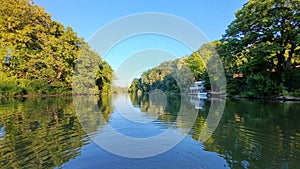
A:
(260, 53)
(259, 50)
(38, 54)
(169, 74)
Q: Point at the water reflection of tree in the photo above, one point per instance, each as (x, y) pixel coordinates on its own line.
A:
(93, 111)
(251, 134)
(167, 113)
(268, 136)
(41, 132)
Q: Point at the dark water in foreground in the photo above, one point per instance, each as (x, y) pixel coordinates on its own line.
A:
(56, 133)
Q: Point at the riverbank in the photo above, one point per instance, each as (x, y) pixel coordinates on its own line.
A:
(33, 95)
(47, 95)
(278, 98)
(288, 98)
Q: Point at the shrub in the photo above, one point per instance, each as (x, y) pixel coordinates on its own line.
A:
(11, 88)
(260, 86)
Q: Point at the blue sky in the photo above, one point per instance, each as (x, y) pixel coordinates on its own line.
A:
(87, 17)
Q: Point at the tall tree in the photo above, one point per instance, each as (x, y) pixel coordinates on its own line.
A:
(196, 64)
(264, 38)
(43, 50)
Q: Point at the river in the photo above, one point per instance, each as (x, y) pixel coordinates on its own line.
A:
(154, 132)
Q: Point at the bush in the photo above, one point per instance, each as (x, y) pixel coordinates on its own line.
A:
(260, 86)
(296, 93)
(235, 86)
(11, 88)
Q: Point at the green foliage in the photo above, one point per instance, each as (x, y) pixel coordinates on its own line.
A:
(196, 64)
(235, 86)
(135, 86)
(157, 78)
(92, 74)
(10, 88)
(295, 93)
(259, 85)
(263, 41)
(214, 72)
(174, 76)
(170, 76)
(264, 35)
(43, 51)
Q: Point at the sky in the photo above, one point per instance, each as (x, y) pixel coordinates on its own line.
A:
(87, 17)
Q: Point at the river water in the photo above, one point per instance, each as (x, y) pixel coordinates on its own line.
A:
(154, 132)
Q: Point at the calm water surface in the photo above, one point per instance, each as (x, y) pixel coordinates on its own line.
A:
(57, 132)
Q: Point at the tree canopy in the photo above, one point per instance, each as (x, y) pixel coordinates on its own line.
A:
(263, 41)
(43, 52)
(171, 76)
(260, 52)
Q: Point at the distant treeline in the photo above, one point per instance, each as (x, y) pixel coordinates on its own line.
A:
(260, 52)
(174, 76)
(38, 55)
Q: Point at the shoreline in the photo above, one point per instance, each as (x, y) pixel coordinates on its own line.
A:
(45, 95)
(274, 98)
(278, 98)
(32, 96)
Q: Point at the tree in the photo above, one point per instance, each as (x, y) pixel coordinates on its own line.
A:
(135, 85)
(92, 74)
(264, 38)
(44, 52)
(176, 76)
(196, 64)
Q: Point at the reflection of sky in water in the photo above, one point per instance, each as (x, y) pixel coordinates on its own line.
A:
(187, 153)
(132, 121)
(2, 132)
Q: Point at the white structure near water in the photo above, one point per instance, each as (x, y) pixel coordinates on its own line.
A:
(199, 89)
